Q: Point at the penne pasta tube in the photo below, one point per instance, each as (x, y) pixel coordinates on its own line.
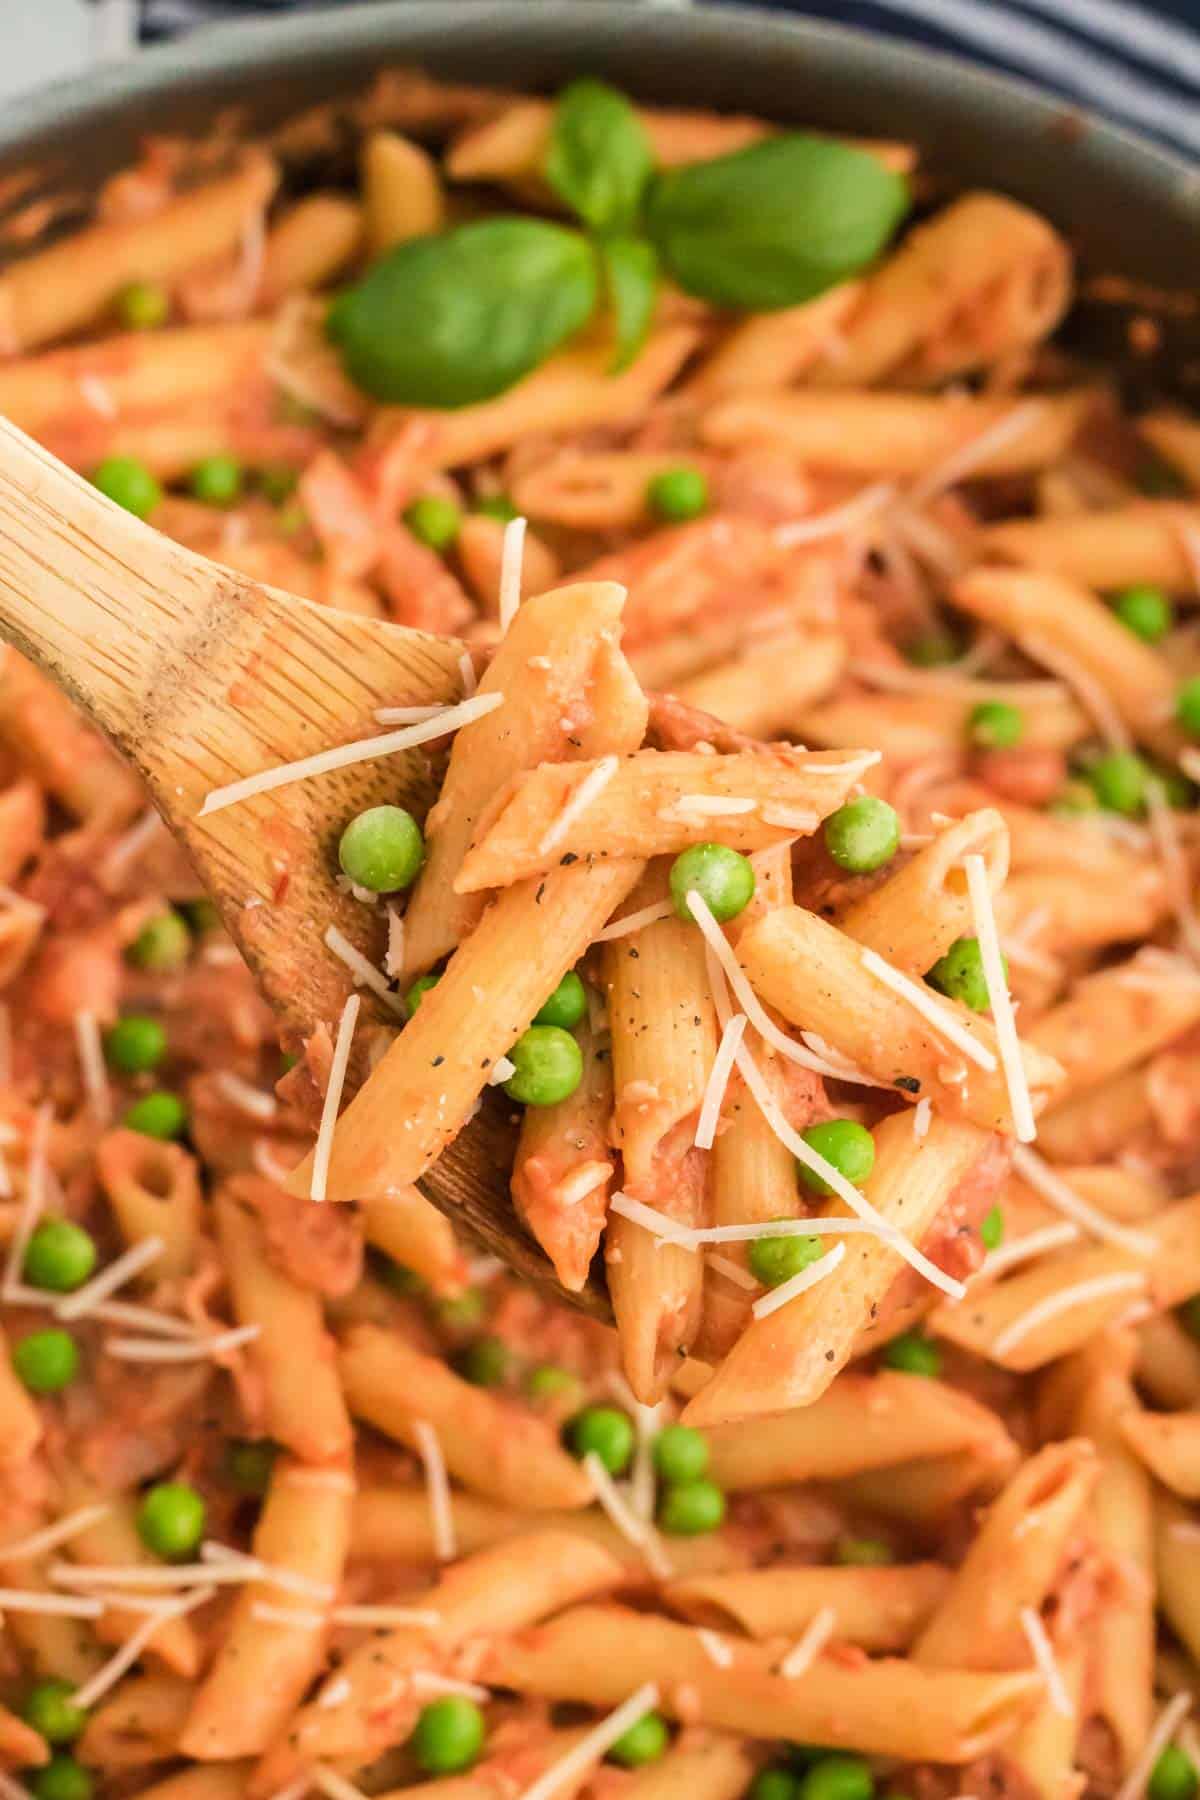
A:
(1168, 1363)
(933, 721)
(914, 916)
(591, 490)
(264, 1666)
(479, 548)
(1042, 1750)
(293, 1354)
(566, 630)
(112, 1540)
(563, 1170)
(20, 1421)
(880, 1609)
(1176, 439)
(1033, 607)
(20, 1745)
(41, 727)
(1053, 1306)
(154, 1191)
(516, 955)
(790, 1357)
(1145, 542)
(1114, 1020)
(655, 803)
(51, 1646)
(309, 246)
(1099, 1120)
(217, 1781)
(983, 278)
(764, 693)
(1177, 1569)
(402, 192)
(702, 1766)
(862, 1422)
(1169, 1446)
(58, 290)
(406, 1227)
(22, 826)
(901, 434)
(492, 1446)
(815, 976)
(1012, 1563)
(776, 348)
(886, 1707)
(926, 1493)
(1076, 916)
(138, 1723)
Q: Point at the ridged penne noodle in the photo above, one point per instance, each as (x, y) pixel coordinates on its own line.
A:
(217, 1781)
(914, 916)
(900, 434)
(20, 1744)
(496, 1450)
(293, 1355)
(890, 1707)
(1098, 1120)
(39, 725)
(924, 1495)
(154, 1191)
(1169, 1446)
(20, 1421)
(1177, 1564)
(878, 1608)
(656, 803)
(705, 1766)
(591, 490)
(933, 722)
(1143, 542)
(1074, 916)
(479, 548)
(402, 192)
(310, 244)
(774, 349)
(1114, 1020)
(406, 1227)
(1176, 439)
(763, 693)
(1168, 1363)
(563, 1168)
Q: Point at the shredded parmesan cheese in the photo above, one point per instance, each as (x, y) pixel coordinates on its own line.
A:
(393, 960)
(62, 1606)
(718, 1081)
(178, 1351)
(706, 806)
(512, 557)
(1024, 1249)
(799, 1284)
(1043, 1656)
(590, 1748)
(920, 998)
(294, 1616)
(92, 1067)
(647, 1422)
(804, 1653)
(374, 1616)
(725, 1265)
(1007, 1041)
(432, 1683)
(28, 1548)
(466, 670)
(646, 915)
(333, 1097)
(750, 1004)
(503, 1069)
(387, 743)
(438, 1489)
(1082, 1294)
(639, 1532)
(1046, 1181)
(253, 1101)
(1165, 1726)
(922, 1118)
(851, 513)
(962, 463)
(83, 1301)
(129, 847)
(790, 818)
(335, 1785)
(714, 1647)
(365, 973)
(132, 1648)
(407, 715)
(592, 784)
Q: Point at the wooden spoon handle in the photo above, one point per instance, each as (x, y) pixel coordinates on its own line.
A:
(87, 591)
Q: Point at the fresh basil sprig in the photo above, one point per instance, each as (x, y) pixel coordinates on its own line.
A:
(630, 268)
(599, 159)
(775, 224)
(447, 321)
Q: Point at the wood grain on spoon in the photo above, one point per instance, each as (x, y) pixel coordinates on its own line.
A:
(200, 677)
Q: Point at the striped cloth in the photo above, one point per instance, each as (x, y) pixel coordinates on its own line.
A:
(1140, 64)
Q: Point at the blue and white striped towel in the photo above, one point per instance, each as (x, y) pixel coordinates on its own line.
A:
(1140, 64)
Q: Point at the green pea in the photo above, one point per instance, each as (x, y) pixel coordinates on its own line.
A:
(60, 1256)
(483, 1363)
(62, 1778)
(249, 1462)
(991, 1228)
(497, 506)
(382, 849)
(863, 834)
(50, 1710)
(680, 1453)
(1074, 797)
(863, 1553)
(995, 725)
(291, 518)
(162, 944)
(1173, 1776)
(1189, 1316)
(1187, 706)
(218, 480)
(959, 974)
(47, 1361)
(278, 482)
(775, 1783)
(395, 1276)
(677, 495)
(143, 306)
(601, 1431)
(691, 1509)
(566, 1006)
(135, 1044)
(462, 1312)
(171, 1519)
(418, 991)
(448, 1736)
(1173, 785)
(838, 1778)
(774, 1260)
(201, 914)
(933, 650)
(1118, 779)
(548, 1382)
(644, 1742)
(913, 1354)
(160, 1115)
(1146, 611)
(846, 1144)
(435, 521)
(548, 1066)
(128, 483)
(723, 878)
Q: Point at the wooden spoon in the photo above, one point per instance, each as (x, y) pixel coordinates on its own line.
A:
(199, 676)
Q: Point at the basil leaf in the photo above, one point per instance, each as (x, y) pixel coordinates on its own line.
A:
(630, 268)
(599, 158)
(775, 224)
(446, 321)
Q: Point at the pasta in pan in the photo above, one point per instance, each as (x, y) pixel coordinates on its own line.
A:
(813, 876)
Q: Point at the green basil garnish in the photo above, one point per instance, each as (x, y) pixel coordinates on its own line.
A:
(776, 224)
(448, 321)
(631, 288)
(599, 158)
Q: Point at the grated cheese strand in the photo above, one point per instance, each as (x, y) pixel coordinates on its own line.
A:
(1007, 1041)
(725, 1265)
(647, 1421)
(437, 1486)
(92, 1066)
(639, 1532)
(1165, 1726)
(512, 557)
(61, 1606)
(745, 995)
(335, 1785)
(593, 783)
(922, 1118)
(84, 1300)
(466, 670)
(856, 511)
(388, 743)
(26, 1549)
(718, 1080)
(714, 1647)
(503, 1069)
(937, 1015)
(1034, 1243)
(1043, 1655)
(1099, 1288)
(645, 915)
(364, 971)
(333, 1097)
(650, 1219)
(590, 1749)
(434, 1683)
(959, 465)
(799, 1284)
(132, 1648)
(407, 715)
(1037, 1174)
(385, 1615)
(804, 1653)
(287, 1615)
(255, 1102)
(171, 1350)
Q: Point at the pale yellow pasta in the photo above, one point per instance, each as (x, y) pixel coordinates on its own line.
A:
(814, 975)
(154, 1191)
(1168, 1362)
(764, 693)
(137, 1724)
(1177, 1568)
(899, 434)
(41, 728)
(914, 916)
(703, 1766)
(309, 245)
(1114, 1020)
(654, 804)
(1043, 1749)
(292, 1354)
(402, 192)
(219, 1781)
(888, 1707)
(880, 1609)
(479, 548)
(498, 1450)
(1076, 915)
(1147, 541)
(112, 1539)
(933, 722)
(406, 1227)
(264, 1666)
(774, 349)
(56, 1648)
